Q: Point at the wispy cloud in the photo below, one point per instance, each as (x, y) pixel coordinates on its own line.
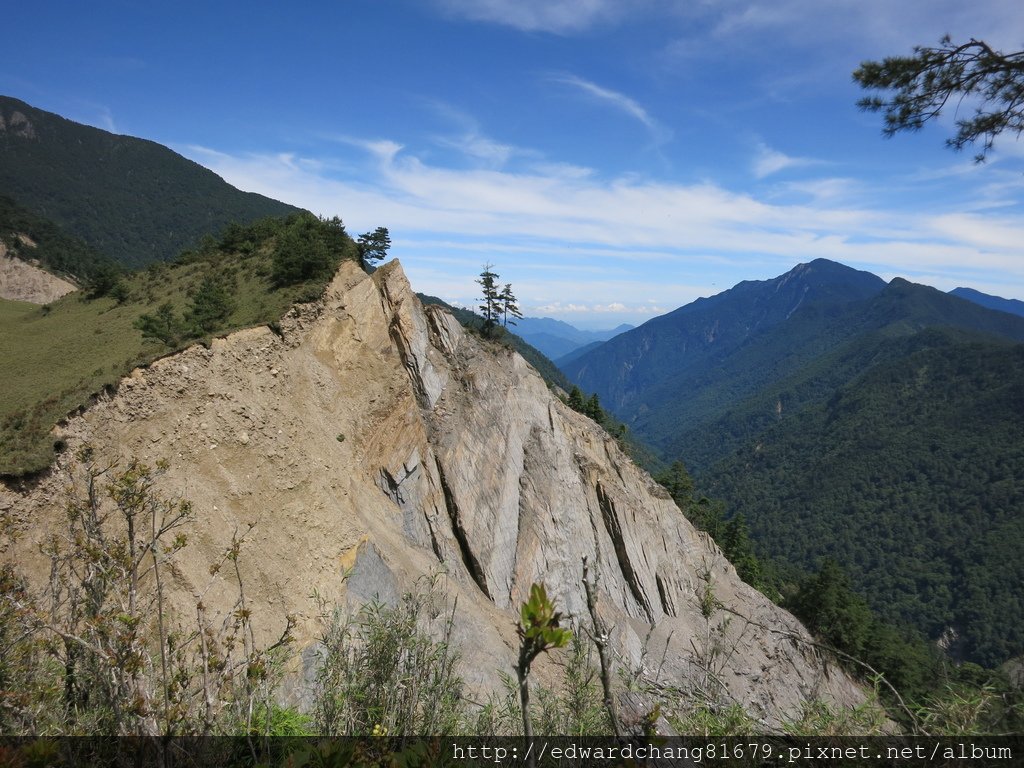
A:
(768, 161)
(615, 307)
(106, 120)
(384, 150)
(589, 236)
(469, 140)
(556, 16)
(618, 101)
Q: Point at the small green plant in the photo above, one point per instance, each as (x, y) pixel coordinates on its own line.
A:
(711, 721)
(819, 718)
(959, 710)
(97, 651)
(576, 706)
(538, 631)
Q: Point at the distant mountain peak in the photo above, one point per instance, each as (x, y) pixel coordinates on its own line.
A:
(1013, 306)
(818, 269)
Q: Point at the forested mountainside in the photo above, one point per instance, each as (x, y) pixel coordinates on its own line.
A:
(640, 369)
(133, 200)
(1013, 306)
(910, 476)
(750, 404)
(31, 237)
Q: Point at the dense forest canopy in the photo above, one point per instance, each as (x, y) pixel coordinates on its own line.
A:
(132, 200)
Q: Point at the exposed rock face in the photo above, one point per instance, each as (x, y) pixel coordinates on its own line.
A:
(377, 435)
(17, 124)
(22, 281)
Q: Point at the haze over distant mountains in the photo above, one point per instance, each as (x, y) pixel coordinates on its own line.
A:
(1013, 306)
(850, 418)
(556, 338)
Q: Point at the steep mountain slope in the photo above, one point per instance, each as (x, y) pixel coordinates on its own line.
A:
(803, 362)
(374, 437)
(910, 475)
(57, 357)
(878, 431)
(24, 281)
(576, 354)
(541, 363)
(653, 358)
(32, 238)
(1013, 306)
(131, 199)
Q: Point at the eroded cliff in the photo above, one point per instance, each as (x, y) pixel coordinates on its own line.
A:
(374, 437)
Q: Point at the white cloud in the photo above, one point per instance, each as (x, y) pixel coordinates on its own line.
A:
(468, 139)
(828, 190)
(618, 101)
(489, 153)
(590, 236)
(768, 161)
(891, 27)
(556, 16)
(384, 150)
(613, 308)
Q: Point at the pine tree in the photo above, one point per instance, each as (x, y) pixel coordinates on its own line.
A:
(922, 85)
(508, 305)
(491, 306)
(373, 246)
(677, 481)
(212, 303)
(575, 400)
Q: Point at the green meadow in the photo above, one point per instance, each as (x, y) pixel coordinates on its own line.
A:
(57, 357)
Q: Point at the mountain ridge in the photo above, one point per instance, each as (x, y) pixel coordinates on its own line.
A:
(772, 389)
(557, 338)
(458, 457)
(132, 199)
(697, 333)
(1013, 306)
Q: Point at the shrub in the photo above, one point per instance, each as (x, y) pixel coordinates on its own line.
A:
(381, 672)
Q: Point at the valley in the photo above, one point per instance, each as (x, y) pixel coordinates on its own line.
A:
(830, 494)
(842, 417)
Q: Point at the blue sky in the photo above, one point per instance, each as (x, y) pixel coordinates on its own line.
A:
(614, 159)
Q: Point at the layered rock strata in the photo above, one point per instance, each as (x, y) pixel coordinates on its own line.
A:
(374, 441)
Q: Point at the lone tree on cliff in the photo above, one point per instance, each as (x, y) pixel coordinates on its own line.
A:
(490, 306)
(496, 305)
(373, 246)
(509, 305)
(925, 83)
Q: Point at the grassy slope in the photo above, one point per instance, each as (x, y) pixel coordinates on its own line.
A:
(58, 356)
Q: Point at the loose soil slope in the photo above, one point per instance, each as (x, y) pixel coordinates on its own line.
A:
(378, 438)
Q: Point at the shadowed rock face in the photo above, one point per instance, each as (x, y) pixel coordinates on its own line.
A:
(376, 437)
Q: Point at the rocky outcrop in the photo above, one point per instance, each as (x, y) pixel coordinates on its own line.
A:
(376, 437)
(23, 281)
